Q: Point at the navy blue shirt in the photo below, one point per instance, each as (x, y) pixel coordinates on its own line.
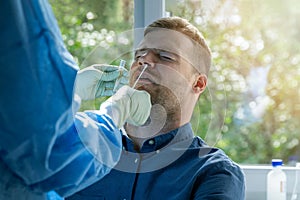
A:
(176, 165)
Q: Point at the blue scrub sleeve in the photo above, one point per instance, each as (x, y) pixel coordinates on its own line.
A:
(42, 141)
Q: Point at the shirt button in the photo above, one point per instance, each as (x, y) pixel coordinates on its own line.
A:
(135, 161)
(151, 142)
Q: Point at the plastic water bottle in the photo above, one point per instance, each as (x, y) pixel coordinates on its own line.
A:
(276, 182)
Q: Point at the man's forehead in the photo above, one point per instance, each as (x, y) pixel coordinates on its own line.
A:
(168, 40)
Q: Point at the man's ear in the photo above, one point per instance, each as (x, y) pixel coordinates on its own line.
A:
(200, 83)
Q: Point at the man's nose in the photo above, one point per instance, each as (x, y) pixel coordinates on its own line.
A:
(149, 58)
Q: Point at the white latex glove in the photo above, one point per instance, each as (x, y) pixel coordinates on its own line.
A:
(99, 80)
(128, 105)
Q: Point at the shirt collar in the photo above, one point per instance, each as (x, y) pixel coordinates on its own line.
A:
(152, 144)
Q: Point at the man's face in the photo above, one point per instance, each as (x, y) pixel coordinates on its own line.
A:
(169, 75)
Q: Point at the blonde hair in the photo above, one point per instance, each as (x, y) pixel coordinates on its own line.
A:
(185, 27)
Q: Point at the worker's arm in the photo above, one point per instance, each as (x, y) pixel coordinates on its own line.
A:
(44, 145)
(93, 141)
(38, 137)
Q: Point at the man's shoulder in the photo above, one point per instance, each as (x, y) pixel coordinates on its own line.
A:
(215, 171)
(211, 156)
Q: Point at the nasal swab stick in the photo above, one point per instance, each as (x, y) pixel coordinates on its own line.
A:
(145, 67)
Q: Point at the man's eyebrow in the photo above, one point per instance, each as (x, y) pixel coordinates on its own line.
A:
(141, 49)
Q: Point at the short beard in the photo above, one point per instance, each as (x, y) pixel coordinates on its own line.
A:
(164, 97)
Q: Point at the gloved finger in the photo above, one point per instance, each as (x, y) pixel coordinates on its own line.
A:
(107, 93)
(124, 80)
(140, 115)
(110, 76)
(99, 89)
(119, 85)
(109, 85)
(89, 73)
(105, 67)
(124, 72)
(105, 89)
(108, 88)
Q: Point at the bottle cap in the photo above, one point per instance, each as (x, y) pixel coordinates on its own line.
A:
(276, 162)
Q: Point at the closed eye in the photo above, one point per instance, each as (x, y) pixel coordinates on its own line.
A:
(161, 54)
(167, 56)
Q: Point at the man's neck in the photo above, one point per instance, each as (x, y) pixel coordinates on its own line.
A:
(159, 122)
(139, 134)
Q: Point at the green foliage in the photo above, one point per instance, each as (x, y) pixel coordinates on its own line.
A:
(87, 25)
(244, 35)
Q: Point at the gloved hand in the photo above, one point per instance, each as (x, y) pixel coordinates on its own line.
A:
(127, 105)
(99, 80)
